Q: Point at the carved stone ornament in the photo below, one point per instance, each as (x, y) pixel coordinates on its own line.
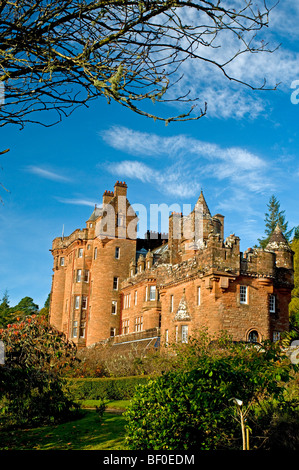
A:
(182, 311)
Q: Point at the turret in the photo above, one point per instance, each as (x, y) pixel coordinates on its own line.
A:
(279, 245)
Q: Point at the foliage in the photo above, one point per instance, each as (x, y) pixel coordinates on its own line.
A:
(102, 361)
(31, 389)
(104, 388)
(192, 407)
(9, 314)
(274, 217)
(58, 55)
(46, 308)
(294, 304)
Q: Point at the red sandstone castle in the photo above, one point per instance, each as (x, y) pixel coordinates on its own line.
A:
(107, 283)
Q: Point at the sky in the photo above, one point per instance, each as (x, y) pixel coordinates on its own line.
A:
(243, 151)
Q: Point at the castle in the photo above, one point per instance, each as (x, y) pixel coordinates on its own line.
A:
(108, 283)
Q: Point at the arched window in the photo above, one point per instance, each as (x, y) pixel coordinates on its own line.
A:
(253, 336)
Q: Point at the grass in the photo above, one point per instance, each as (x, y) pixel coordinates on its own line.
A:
(113, 405)
(87, 433)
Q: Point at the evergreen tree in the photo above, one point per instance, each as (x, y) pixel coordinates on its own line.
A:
(274, 217)
(46, 308)
(4, 310)
(25, 307)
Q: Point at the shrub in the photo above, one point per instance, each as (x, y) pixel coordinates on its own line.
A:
(120, 388)
(193, 407)
(31, 388)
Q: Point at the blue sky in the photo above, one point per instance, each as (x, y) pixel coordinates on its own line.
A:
(242, 152)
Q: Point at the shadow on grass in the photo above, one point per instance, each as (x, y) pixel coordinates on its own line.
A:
(87, 433)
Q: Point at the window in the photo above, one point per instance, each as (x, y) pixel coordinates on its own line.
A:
(117, 252)
(127, 301)
(253, 336)
(86, 275)
(198, 296)
(120, 220)
(84, 302)
(77, 301)
(148, 265)
(112, 331)
(115, 283)
(80, 253)
(82, 329)
(95, 254)
(62, 261)
(79, 275)
(88, 247)
(135, 297)
(176, 333)
(90, 225)
(166, 337)
(114, 307)
(75, 329)
(171, 303)
(125, 327)
(272, 303)
(276, 335)
(139, 323)
(243, 295)
(152, 293)
(184, 333)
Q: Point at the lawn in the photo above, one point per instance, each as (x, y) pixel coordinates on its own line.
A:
(87, 433)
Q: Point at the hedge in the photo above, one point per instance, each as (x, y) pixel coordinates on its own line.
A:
(118, 388)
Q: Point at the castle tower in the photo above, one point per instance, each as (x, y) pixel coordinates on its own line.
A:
(89, 266)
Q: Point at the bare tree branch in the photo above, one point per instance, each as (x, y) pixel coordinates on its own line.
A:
(60, 54)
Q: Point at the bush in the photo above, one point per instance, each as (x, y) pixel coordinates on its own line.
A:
(31, 388)
(193, 408)
(104, 388)
(104, 360)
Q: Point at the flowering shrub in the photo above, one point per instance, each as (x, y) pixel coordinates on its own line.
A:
(31, 387)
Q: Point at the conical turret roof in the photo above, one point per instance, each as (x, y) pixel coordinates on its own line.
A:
(201, 201)
(278, 241)
(97, 212)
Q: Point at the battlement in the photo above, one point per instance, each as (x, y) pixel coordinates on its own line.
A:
(152, 235)
(63, 242)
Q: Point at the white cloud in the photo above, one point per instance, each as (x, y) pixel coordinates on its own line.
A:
(169, 181)
(186, 160)
(50, 175)
(76, 201)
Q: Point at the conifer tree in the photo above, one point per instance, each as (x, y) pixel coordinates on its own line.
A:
(274, 217)
(4, 310)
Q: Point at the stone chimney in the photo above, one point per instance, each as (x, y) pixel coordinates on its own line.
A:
(120, 189)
